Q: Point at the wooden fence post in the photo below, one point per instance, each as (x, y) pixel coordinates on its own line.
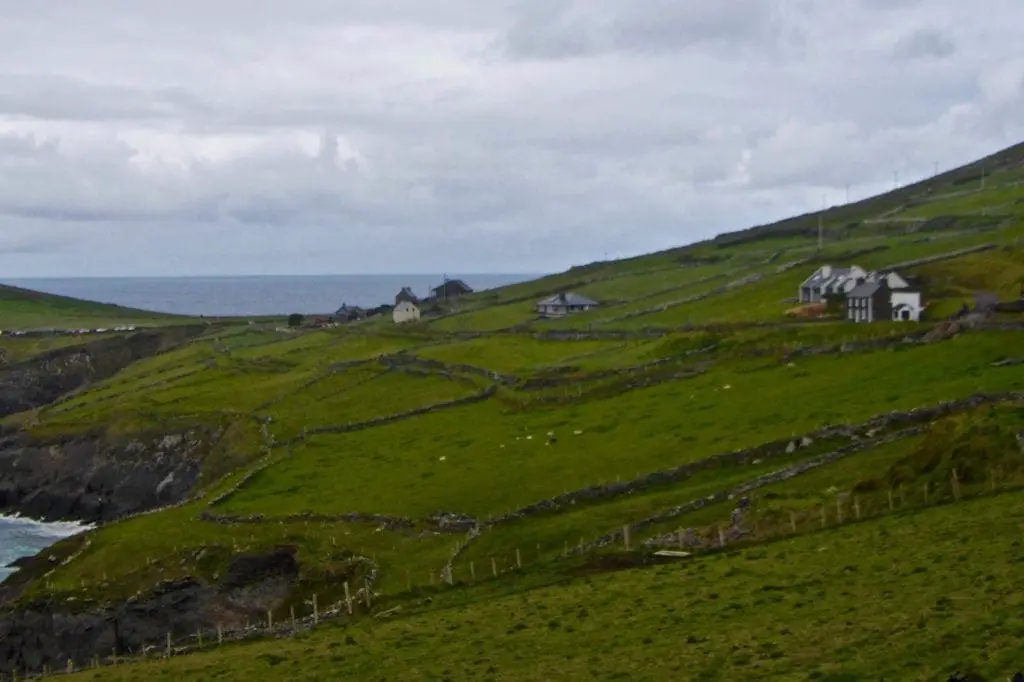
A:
(519, 559)
(494, 567)
(472, 571)
(792, 521)
(71, 666)
(348, 599)
(890, 500)
(926, 493)
(565, 550)
(369, 594)
(270, 619)
(625, 537)
(316, 611)
(291, 612)
(721, 538)
(824, 520)
(168, 644)
(220, 634)
(856, 507)
(199, 636)
(956, 486)
(992, 479)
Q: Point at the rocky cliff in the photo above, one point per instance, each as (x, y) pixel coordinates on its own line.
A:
(48, 635)
(42, 379)
(90, 479)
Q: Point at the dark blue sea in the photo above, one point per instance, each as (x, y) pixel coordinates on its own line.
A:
(215, 296)
(255, 295)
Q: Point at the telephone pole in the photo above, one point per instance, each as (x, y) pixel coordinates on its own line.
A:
(821, 218)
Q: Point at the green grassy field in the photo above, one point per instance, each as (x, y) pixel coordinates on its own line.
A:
(21, 309)
(409, 422)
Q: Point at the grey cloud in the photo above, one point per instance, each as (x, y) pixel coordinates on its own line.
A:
(573, 29)
(924, 43)
(249, 137)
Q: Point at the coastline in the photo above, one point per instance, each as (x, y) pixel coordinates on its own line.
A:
(23, 536)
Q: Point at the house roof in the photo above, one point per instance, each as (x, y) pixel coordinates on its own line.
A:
(864, 290)
(835, 273)
(567, 298)
(457, 283)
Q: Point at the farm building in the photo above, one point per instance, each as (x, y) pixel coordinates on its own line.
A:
(828, 280)
(452, 288)
(906, 305)
(565, 303)
(405, 312)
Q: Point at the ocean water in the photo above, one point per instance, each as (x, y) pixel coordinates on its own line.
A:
(20, 537)
(253, 295)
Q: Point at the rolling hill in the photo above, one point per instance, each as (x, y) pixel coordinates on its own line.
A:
(483, 494)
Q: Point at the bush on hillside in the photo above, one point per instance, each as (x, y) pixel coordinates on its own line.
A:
(296, 320)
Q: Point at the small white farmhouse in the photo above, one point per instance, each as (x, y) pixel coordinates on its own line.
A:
(562, 304)
(405, 312)
(906, 305)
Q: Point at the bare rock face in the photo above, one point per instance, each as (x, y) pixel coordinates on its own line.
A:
(87, 479)
(42, 379)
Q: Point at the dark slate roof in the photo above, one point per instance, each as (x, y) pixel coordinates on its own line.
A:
(864, 290)
(836, 272)
(456, 283)
(568, 298)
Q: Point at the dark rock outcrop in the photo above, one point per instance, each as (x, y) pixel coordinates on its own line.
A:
(42, 379)
(45, 634)
(88, 479)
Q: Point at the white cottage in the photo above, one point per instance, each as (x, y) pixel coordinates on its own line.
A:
(563, 304)
(828, 280)
(405, 311)
(906, 305)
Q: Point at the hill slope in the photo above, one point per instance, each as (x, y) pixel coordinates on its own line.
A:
(23, 309)
(473, 473)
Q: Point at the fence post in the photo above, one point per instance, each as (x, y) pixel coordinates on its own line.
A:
(494, 567)
(291, 612)
(168, 644)
(113, 656)
(565, 550)
(890, 500)
(792, 521)
(839, 509)
(472, 571)
(348, 599)
(316, 612)
(369, 595)
(721, 538)
(519, 560)
(71, 666)
(824, 520)
(956, 486)
(270, 619)
(625, 536)
(220, 634)
(856, 507)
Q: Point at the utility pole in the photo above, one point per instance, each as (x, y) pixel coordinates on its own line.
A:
(936, 171)
(847, 192)
(821, 217)
(895, 179)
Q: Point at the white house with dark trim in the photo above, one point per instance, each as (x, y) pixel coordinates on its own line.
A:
(405, 311)
(906, 305)
(564, 304)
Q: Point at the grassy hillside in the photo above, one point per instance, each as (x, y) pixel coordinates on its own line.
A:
(23, 310)
(688, 389)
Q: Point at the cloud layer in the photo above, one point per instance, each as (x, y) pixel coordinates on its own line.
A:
(236, 137)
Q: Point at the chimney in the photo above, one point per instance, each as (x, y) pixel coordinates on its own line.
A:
(826, 270)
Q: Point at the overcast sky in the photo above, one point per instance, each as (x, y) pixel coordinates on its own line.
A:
(150, 137)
